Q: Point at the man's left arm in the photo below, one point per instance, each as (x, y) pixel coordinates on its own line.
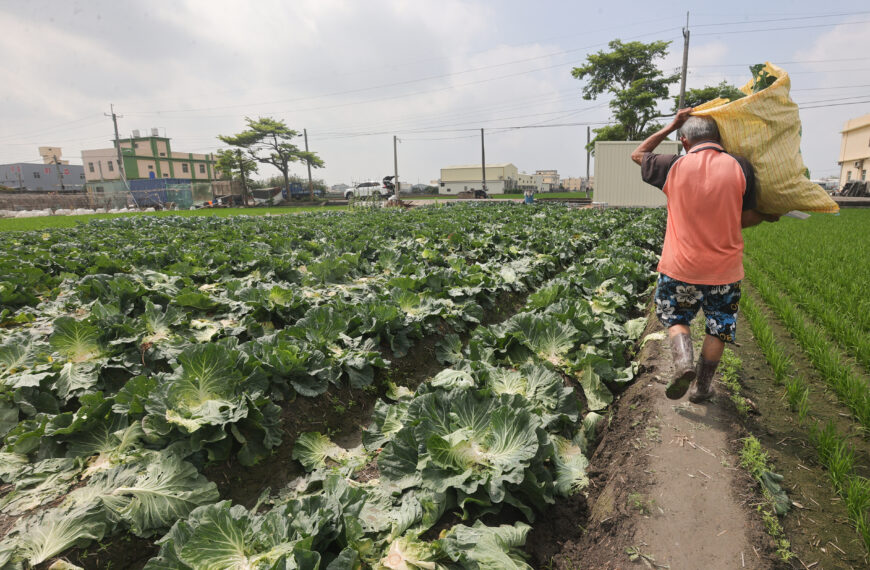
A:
(750, 216)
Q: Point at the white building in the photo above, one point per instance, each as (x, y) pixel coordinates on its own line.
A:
(500, 178)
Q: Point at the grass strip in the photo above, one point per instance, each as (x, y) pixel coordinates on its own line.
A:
(850, 388)
(831, 447)
(755, 460)
(49, 222)
(729, 369)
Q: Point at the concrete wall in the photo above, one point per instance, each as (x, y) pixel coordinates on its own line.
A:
(493, 187)
(617, 177)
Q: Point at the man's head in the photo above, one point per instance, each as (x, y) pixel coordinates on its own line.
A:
(698, 129)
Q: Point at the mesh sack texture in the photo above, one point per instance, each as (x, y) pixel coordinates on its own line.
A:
(765, 128)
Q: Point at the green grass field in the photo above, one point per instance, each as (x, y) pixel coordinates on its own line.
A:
(47, 222)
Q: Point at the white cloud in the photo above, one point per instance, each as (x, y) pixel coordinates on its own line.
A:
(826, 94)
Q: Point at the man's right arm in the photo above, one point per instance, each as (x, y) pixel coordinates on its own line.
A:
(656, 139)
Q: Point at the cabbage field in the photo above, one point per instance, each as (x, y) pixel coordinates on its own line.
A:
(141, 359)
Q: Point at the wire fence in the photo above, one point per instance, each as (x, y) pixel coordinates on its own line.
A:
(116, 195)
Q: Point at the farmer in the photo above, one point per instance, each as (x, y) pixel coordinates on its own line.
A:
(711, 196)
(529, 195)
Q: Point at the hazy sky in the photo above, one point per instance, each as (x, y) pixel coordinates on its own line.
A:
(354, 73)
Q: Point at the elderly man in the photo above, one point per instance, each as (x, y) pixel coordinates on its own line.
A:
(711, 197)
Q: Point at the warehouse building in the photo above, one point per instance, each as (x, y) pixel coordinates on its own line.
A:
(53, 175)
(855, 150)
(617, 177)
(500, 178)
(147, 157)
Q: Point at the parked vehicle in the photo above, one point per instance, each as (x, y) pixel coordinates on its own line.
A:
(366, 190)
(474, 194)
(299, 192)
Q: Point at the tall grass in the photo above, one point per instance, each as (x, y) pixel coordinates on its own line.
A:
(831, 447)
(850, 388)
(840, 322)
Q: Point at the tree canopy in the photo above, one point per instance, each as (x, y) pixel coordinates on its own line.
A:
(234, 165)
(628, 72)
(695, 97)
(268, 141)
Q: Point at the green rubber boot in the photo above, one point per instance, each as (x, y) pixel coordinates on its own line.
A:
(684, 366)
(703, 387)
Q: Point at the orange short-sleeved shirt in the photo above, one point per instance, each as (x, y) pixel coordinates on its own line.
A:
(707, 191)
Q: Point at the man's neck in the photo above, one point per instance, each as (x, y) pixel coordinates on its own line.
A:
(699, 143)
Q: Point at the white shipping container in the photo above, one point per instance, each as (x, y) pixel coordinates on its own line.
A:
(617, 177)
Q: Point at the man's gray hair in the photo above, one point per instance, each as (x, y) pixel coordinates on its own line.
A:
(697, 129)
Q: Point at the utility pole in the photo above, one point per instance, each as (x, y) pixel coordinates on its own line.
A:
(588, 142)
(59, 173)
(483, 159)
(685, 63)
(242, 174)
(118, 144)
(308, 162)
(396, 165)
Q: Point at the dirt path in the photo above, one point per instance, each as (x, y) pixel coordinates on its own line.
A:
(666, 490)
(697, 521)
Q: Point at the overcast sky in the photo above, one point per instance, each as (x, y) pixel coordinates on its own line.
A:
(355, 73)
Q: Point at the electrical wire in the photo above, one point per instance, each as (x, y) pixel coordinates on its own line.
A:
(809, 26)
(789, 18)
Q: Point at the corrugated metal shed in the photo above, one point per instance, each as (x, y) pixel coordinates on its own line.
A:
(617, 178)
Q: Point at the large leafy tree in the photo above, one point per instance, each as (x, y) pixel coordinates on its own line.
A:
(268, 141)
(627, 72)
(234, 165)
(695, 97)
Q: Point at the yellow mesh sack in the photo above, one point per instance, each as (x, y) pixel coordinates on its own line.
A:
(765, 128)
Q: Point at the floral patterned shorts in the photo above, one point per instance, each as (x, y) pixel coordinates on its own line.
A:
(677, 303)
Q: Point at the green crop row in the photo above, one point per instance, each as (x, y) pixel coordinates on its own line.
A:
(850, 388)
(136, 351)
(831, 447)
(806, 292)
(498, 427)
(829, 253)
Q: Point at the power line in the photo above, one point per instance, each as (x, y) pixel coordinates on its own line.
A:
(836, 104)
(809, 26)
(396, 84)
(813, 17)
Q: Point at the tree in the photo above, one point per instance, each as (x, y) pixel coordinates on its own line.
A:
(695, 97)
(236, 166)
(267, 141)
(628, 73)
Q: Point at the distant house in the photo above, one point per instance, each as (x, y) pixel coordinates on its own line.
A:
(549, 177)
(148, 157)
(855, 150)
